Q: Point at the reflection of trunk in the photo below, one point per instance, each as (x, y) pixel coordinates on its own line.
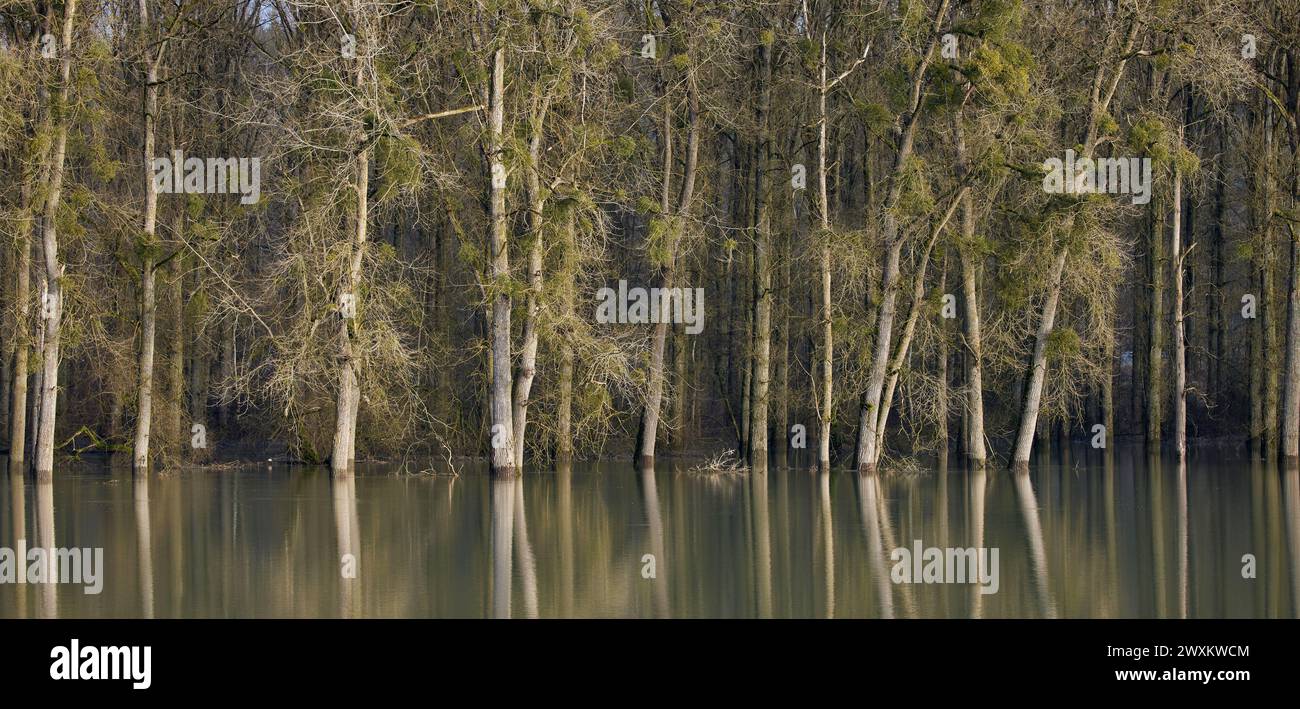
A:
(502, 431)
(47, 603)
(503, 524)
(144, 543)
(18, 501)
(1181, 493)
(1034, 534)
(347, 529)
(654, 521)
(1158, 524)
(827, 529)
(868, 494)
(1291, 505)
(564, 516)
(524, 551)
(977, 483)
(49, 389)
(762, 542)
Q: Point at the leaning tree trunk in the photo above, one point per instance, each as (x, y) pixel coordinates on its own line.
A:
(533, 306)
(1102, 92)
(909, 326)
(53, 310)
(649, 429)
(868, 451)
(1038, 373)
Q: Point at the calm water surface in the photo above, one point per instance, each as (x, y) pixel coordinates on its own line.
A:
(1137, 538)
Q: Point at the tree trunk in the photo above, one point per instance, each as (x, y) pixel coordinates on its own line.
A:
(649, 429)
(148, 303)
(176, 346)
(502, 432)
(348, 402)
(533, 307)
(1180, 343)
(761, 378)
(1038, 370)
(909, 327)
(1102, 92)
(22, 344)
(53, 310)
(968, 254)
(1291, 400)
(827, 400)
(564, 412)
(781, 426)
(868, 452)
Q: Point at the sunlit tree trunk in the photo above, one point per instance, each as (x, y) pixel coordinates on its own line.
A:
(502, 431)
(909, 327)
(1038, 371)
(826, 400)
(868, 451)
(149, 252)
(533, 306)
(53, 310)
(1180, 342)
(969, 257)
(649, 428)
(348, 402)
(1103, 90)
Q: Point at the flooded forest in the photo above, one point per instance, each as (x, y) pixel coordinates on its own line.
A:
(557, 307)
